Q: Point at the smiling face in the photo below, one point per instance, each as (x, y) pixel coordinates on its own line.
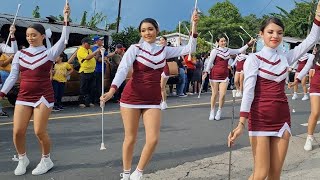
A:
(272, 35)
(222, 42)
(34, 37)
(148, 32)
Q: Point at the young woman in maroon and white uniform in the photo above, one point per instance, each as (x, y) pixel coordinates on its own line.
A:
(264, 100)
(301, 64)
(36, 95)
(219, 73)
(238, 79)
(142, 94)
(314, 95)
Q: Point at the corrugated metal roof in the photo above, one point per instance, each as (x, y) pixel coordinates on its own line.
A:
(55, 27)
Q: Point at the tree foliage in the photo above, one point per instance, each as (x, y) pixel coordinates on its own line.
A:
(36, 12)
(128, 36)
(298, 21)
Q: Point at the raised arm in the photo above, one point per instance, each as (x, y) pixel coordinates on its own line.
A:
(242, 49)
(307, 67)
(250, 69)
(13, 76)
(57, 49)
(172, 52)
(311, 40)
(191, 46)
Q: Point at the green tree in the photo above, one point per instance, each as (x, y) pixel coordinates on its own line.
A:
(128, 36)
(84, 19)
(297, 20)
(96, 19)
(61, 18)
(36, 12)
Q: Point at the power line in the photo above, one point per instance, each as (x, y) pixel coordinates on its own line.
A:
(265, 7)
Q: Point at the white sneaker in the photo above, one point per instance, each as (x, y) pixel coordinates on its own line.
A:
(295, 96)
(308, 145)
(22, 165)
(163, 105)
(125, 176)
(136, 176)
(238, 94)
(218, 115)
(305, 97)
(44, 166)
(211, 117)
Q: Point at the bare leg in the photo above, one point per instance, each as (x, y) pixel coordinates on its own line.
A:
(237, 81)
(295, 88)
(163, 84)
(215, 90)
(130, 118)
(304, 84)
(278, 152)
(314, 114)
(241, 81)
(21, 119)
(261, 154)
(152, 121)
(41, 117)
(222, 93)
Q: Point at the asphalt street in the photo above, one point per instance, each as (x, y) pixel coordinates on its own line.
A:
(186, 135)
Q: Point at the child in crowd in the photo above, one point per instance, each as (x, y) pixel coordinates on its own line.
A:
(61, 71)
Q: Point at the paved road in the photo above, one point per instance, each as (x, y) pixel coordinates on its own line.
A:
(186, 136)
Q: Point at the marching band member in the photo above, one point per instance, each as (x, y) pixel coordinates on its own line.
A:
(301, 64)
(36, 95)
(219, 73)
(264, 100)
(314, 96)
(142, 94)
(238, 79)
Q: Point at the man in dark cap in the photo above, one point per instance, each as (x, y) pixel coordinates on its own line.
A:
(87, 63)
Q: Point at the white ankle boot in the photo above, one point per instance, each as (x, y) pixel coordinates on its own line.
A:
(44, 166)
(22, 165)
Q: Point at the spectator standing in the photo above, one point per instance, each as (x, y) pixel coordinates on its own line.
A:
(87, 63)
(5, 67)
(61, 71)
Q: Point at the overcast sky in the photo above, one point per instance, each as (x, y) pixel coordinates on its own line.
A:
(167, 12)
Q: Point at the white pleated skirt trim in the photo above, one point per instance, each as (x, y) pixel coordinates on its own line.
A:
(272, 133)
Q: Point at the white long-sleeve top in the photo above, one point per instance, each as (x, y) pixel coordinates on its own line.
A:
(253, 66)
(144, 51)
(240, 57)
(224, 53)
(11, 50)
(33, 57)
(307, 67)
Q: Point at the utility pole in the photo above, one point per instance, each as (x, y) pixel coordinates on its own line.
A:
(118, 18)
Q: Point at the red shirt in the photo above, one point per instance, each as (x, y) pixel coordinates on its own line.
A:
(189, 64)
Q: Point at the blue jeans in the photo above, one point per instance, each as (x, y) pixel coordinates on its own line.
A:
(58, 88)
(182, 82)
(4, 75)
